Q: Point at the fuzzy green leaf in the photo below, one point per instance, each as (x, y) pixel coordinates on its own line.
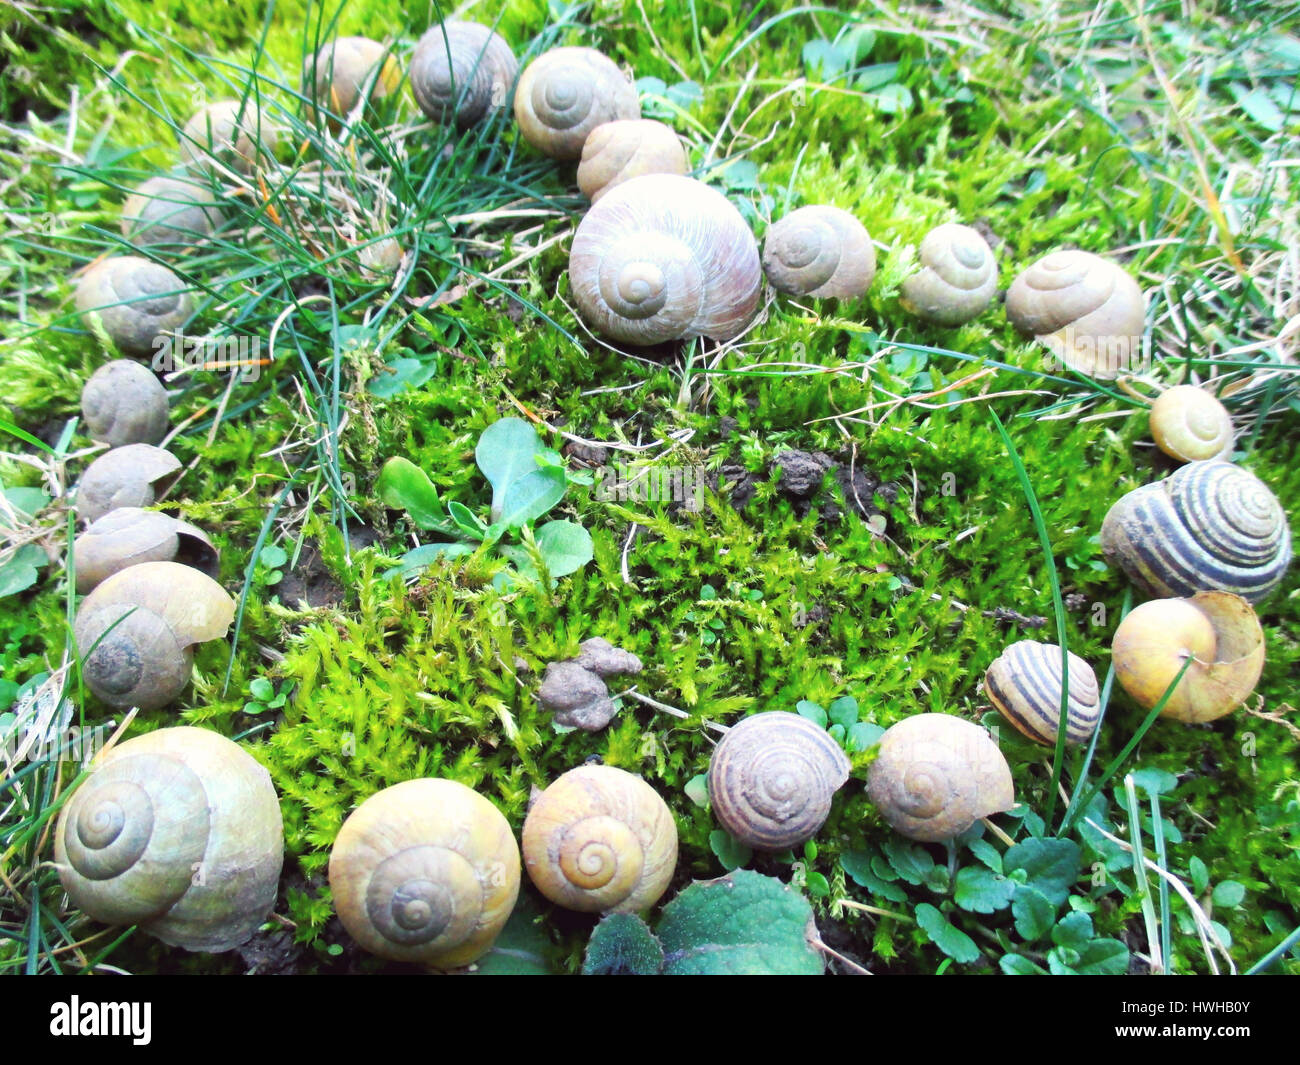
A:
(622, 945)
(1050, 865)
(843, 711)
(981, 890)
(1034, 913)
(697, 790)
(402, 485)
(466, 521)
(399, 375)
(523, 947)
(1073, 930)
(986, 853)
(948, 938)
(909, 860)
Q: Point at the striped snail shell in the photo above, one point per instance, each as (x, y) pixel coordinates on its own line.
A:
(600, 840)
(1085, 309)
(123, 403)
(135, 299)
(462, 70)
(619, 151)
(663, 257)
(565, 93)
(1024, 683)
(168, 210)
(819, 251)
(1209, 526)
(936, 775)
(772, 779)
(232, 133)
(334, 78)
(178, 831)
(425, 871)
(958, 276)
(129, 476)
(129, 536)
(1189, 424)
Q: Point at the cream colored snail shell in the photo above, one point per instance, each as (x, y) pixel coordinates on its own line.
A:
(1209, 526)
(178, 831)
(1084, 309)
(129, 476)
(335, 77)
(1024, 683)
(619, 151)
(936, 775)
(565, 93)
(1189, 424)
(772, 779)
(1217, 630)
(663, 257)
(167, 210)
(137, 630)
(958, 276)
(425, 871)
(232, 133)
(819, 251)
(129, 536)
(462, 70)
(600, 840)
(135, 299)
(123, 403)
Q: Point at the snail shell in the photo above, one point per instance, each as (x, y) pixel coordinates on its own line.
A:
(130, 476)
(619, 151)
(143, 623)
(167, 210)
(1024, 683)
(565, 93)
(462, 70)
(663, 257)
(600, 840)
(819, 251)
(335, 77)
(135, 299)
(425, 871)
(1189, 424)
(178, 831)
(958, 276)
(1210, 526)
(936, 775)
(1218, 630)
(123, 403)
(233, 133)
(129, 536)
(1086, 310)
(772, 779)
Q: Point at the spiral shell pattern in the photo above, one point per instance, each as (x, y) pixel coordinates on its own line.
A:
(819, 251)
(1189, 424)
(772, 779)
(1024, 683)
(462, 70)
(128, 476)
(123, 403)
(130, 536)
(166, 210)
(619, 151)
(135, 299)
(336, 75)
(227, 132)
(958, 276)
(565, 93)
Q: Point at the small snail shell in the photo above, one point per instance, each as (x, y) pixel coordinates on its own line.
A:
(135, 299)
(462, 70)
(425, 871)
(600, 840)
(177, 831)
(1086, 310)
(1189, 424)
(123, 403)
(334, 78)
(1024, 683)
(233, 133)
(772, 779)
(1209, 526)
(143, 623)
(130, 476)
(958, 276)
(936, 775)
(663, 257)
(819, 251)
(565, 93)
(167, 210)
(129, 536)
(1217, 630)
(619, 151)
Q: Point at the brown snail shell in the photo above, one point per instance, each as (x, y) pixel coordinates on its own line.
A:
(128, 536)
(958, 276)
(1085, 309)
(233, 133)
(663, 257)
(936, 775)
(168, 210)
(335, 77)
(136, 300)
(123, 403)
(130, 476)
(1189, 424)
(462, 70)
(565, 93)
(819, 251)
(137, 630)
(600, 840)
(772, 779)
(619, 151)
(425, 871)
(1024, 683)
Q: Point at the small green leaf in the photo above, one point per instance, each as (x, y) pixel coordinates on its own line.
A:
(402, 485)
(858, 865)
(506, 452)
(399, 375)
(466, 521)
(863, 735)
(948, 938)
(427, 555)
(1102, 957)
(18, 573)
(981, 890)
(1073, 930)
(1018, 965)
(844, 711)
(565, 547)
(909, 860)
(1051, 865)
(27, 502)
(1034, 914)
(697, 790)
(622, 945)
(522, 949)
(824, 60)
(729, 850)
(529, 497)
(1228, 893)
(1154, 781)
(986, 853)
(812, 711)
(261, 689)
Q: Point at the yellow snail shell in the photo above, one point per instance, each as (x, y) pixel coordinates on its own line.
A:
(123, 403)
(565, 93)
(135, 299)
(958, 276)
(129, 476)
(619, 151)
(333, 79)
(819, 251)
(1189, 424)
(462, 70)
(233, 133)
(129, 536)
(167, 210)
(1024, 683)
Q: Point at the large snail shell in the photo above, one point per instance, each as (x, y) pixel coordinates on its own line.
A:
(129, 536)
(663, 257)
(1217, 630)
(1189, 424)
(619, 151)
(1086, 310)
(1024, 683)
(425, 871)
(462, 70)
(234, 133)
(600, 840)
(819, 251)
(936, 775)
(167, 210)
(335, 77)
(135, 299)
(1209, 526)
(958, 276)
(772, 779)
(565, 93)
(123, 403)
(130, 476)
(178, 831)
(143, 623)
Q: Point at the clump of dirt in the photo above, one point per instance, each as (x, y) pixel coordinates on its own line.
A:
(802, 477)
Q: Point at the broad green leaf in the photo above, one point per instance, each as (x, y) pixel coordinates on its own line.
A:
(506, 452)
(981, 890)
(1018, 965)
(844, 711)
(1154, 781)
(27, 502)
(1073, 930)
(728, 850)
(986, 853)
(857, 43)
(402, 485)
(857, 864)
(399, 375)
(1051, 865)
(685, 94)
(565, 547)
(260, 688)
(947, 937)
(697, 790)
(1034, 914)
(863, 735)
(19, 573)
(812, 711)
(622, 945)
(909, 860)
(522, 948)
(529, 497)
(876, 76)
(824, 60)
(1260, 106)
(1228, 893)
(427, 554)
(1102, 957)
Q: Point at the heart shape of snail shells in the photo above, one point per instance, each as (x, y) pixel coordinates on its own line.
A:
(462, 70)
(135, 300)
(819, 251)
(1024, 683)
(663, 257)
(1209, 526)
(957, 279)
(565, 93)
